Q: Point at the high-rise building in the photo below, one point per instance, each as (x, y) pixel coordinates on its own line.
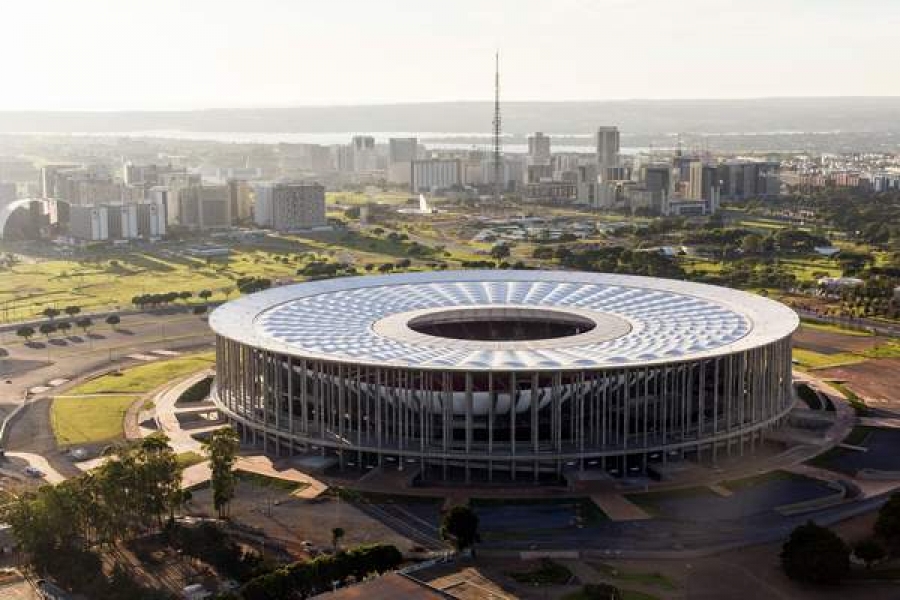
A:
(175, 182)
(89, 223)
(205, 207)
(607, 148)
(122, 221)
(289, 206)
(401, 153)
(240, 193)
(364, 156)
(658, 184)
(703, 179)
(151, 218)
(539, 149)
(435, 174)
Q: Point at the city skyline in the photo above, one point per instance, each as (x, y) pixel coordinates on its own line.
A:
(163, 56)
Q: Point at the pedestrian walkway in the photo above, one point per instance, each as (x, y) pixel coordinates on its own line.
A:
(37, 461)
(618, 508)
(260, 465)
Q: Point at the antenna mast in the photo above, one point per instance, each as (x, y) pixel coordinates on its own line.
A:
(497, 159)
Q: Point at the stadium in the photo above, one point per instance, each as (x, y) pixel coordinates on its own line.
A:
(502, 376)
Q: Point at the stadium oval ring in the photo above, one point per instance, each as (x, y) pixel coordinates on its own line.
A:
(504, 375)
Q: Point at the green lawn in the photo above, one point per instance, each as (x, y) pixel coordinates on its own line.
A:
(144, 378)
(834, 329)
(88, 419)
(189, 459)
(816, 360)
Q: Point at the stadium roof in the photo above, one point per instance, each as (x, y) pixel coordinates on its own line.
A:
(637, 320)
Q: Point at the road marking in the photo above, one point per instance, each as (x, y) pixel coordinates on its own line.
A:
(57, 382)
(166, 352)
(143, 357)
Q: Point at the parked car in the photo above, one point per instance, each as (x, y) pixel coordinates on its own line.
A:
(33, 472)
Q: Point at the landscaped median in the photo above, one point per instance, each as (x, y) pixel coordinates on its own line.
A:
(93, 412)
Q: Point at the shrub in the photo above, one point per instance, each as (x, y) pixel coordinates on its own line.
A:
(197, 392)
(815, 554)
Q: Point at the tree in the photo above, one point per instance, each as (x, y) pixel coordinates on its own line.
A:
(500, 251)
(64, 326)
(185, 295)
(222, 447)
(84, 323)
(460, 527)
(815, 554)
(72, 310)
(887, 525)
(337, 535)
(50, 312)
(25, 331)
(47, 329)
(205, 294)
(869, 551)
(113, 320)
(199, 310)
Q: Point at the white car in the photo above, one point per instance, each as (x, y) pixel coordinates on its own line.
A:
(33, 472)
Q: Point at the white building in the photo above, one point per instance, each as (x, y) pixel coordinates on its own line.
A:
(436, 174)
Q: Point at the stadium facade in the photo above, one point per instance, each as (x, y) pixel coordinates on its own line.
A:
(504, 375)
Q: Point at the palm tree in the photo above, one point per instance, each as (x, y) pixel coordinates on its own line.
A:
(64, 327)
(25, 332)
(50, 312)
(72, 310)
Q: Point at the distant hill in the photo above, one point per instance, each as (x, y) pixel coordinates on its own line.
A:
(632, 116)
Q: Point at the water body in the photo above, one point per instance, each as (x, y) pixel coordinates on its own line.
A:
(431, 139)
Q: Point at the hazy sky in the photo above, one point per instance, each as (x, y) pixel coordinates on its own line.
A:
(163, 54)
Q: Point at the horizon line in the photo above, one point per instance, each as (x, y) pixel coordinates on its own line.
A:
(434, 102)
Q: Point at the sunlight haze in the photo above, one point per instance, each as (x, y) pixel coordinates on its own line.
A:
(104, 55)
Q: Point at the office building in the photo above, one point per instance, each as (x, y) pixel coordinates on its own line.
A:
(538, 149)
(205, 207)
(88, 223)
(289, 206)
(401, 153)
(436, 174)
(607, 148)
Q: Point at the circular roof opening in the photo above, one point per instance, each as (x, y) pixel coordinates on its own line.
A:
(488, 324)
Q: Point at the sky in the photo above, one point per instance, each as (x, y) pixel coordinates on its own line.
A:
(191, 54)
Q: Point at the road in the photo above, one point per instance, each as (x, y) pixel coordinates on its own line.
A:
(25, 370)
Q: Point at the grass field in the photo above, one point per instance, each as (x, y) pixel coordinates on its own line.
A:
(834, 329)
(144, 378)
(189, 459)
(816, 360)
(88, 419)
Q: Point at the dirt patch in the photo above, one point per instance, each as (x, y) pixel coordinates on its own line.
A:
(291, 520)
(877, 381)
(831, 342)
